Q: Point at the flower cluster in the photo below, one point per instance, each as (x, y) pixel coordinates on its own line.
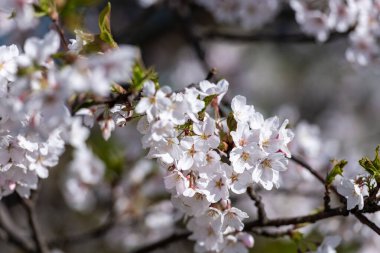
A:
(34, 117)
(18, 14)
(206, 158)
(361, 18)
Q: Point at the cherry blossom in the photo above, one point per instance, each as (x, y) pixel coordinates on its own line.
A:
(352, 192)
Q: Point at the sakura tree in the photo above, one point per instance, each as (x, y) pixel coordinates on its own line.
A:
(99, 153)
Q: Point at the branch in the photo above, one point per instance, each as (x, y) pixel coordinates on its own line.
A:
(162, 243)
(266, 37)
(185, 17)
(55, 20)
(363, 219)
(312, 218)
(273, 234)
(12, 233)
(261, 214)
(41, 245)
(309, 168)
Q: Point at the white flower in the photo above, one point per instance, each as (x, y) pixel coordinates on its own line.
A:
(313, 22)
(352, 192)
(167, 149)
(40, 50)
(240, 109)
(217, 187)
(194, 206)
(120, 114)
(212, 164)
(220, 89)
(329, 244)
(238, 182)
(243, 136)
(244, 158)
(115, 64)
(342, 15)
(88, 116)
(205, 132)
(232, 219)
(8, 64)
(363, 49)
(207, 229)
(231, 244)
(107, 125)
(78, 133)
(176, 181)
(193, 104)
(152, 101)
(268, 170)
(193, 153)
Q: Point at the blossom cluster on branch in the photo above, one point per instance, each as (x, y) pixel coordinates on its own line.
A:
(360, 19)
(205, 158)
(209, 151)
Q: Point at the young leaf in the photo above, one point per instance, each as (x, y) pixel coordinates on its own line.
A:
(140, 75)
(231, 122)
(105, 26)
(372, 166)
(44, 8)
(336, 170)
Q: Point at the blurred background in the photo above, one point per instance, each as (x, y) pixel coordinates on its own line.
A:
(332, 104)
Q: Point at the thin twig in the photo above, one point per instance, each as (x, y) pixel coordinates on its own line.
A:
(367, 222)
(185, 16)
(262, 37)
(162, 243)
(261, 214)
(55, 20)
(311, 218)
(273, 234)
(41, 245)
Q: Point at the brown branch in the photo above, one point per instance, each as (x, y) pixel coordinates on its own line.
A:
(184, 15)
(162, 243)
(367, 222)
(273, 234)
(261, 214)
(266, 37)
(12, 234)
(250, 226)
(309, 168)
(312, 218)
(55, 20)
(41, 245)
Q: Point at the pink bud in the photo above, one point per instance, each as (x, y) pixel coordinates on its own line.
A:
(246, 239)
(12, 185)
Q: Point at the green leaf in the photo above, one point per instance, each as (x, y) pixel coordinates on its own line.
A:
(231, 122)
(208, 101)
(44, 8)
(111, 153)
(372, 166)
(297, 237)
(140, 75)
(105, 26)
(336, 170)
